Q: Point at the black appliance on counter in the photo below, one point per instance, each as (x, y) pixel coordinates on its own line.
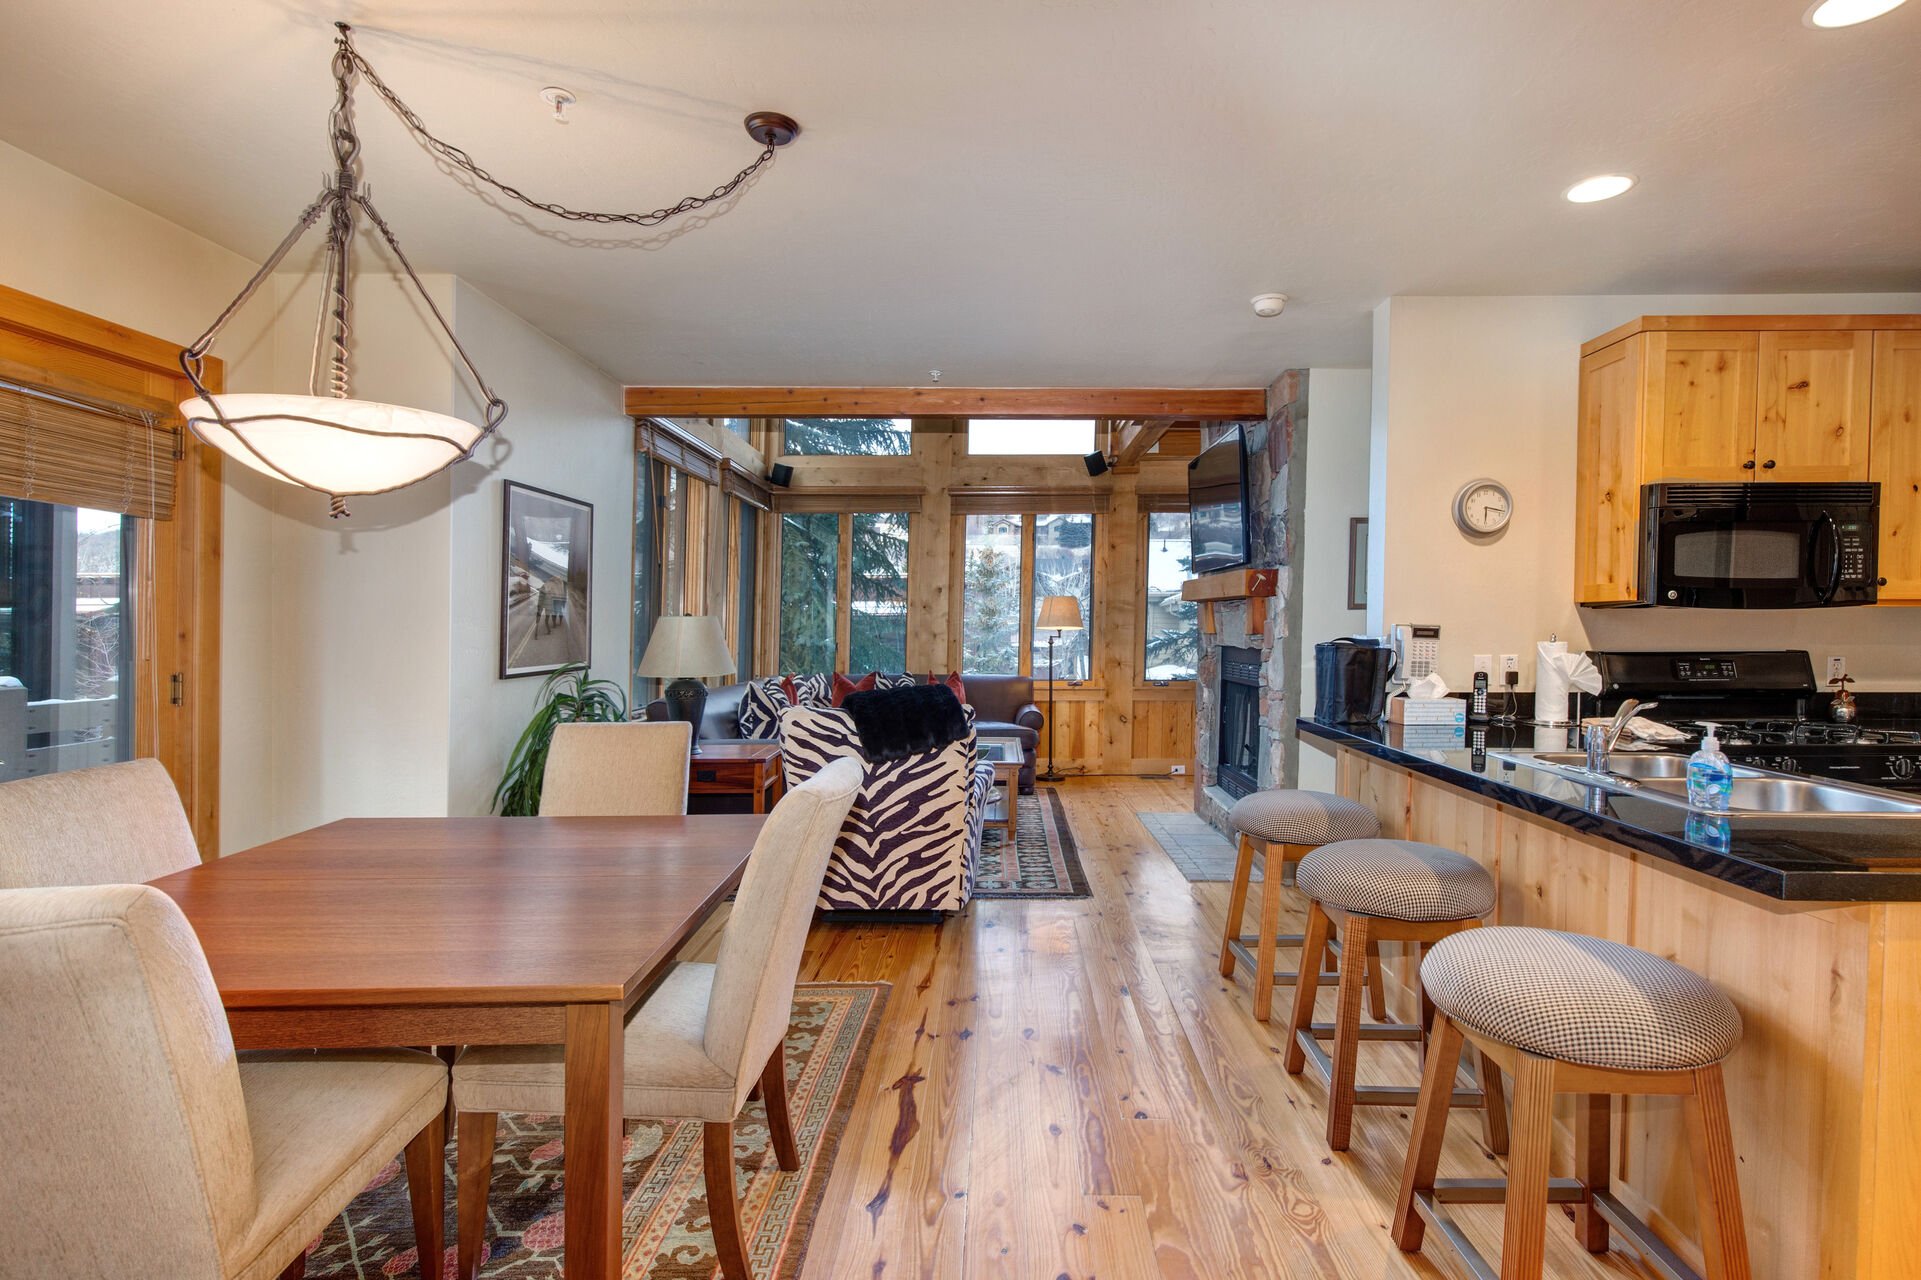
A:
(1350, 680)
(1759, 546)
(1762, 699)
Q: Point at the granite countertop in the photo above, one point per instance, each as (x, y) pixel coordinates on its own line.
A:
(1798, 858)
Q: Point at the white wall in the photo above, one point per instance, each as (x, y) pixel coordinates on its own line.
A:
(1337, 460)
(564, 432)
(1468, 387)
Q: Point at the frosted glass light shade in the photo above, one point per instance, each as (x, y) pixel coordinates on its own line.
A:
(1060, 613)
(686, 645)
(341, 447)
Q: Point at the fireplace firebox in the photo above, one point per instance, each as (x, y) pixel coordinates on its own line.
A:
(1238, 768)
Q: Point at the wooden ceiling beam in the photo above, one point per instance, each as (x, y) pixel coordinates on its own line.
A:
(1211, 403)
(1136, 438)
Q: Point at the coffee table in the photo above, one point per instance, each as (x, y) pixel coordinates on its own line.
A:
(1007, 756)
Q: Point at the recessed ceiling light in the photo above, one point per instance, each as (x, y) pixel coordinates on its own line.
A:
(1604, 186)
(1845, 13)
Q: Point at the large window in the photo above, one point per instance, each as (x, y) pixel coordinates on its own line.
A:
(1063, 565)
(66, 638)
(746, 580)
(877, 593)
(646, 573)
(1010, 564)
(849, 436)
(1031, 436)
(809, 589)
(1168, 632)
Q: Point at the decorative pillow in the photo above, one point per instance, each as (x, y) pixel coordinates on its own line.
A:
(953, 681)
(898, 680)
(809, 690)
(843, 686)
(760, 708)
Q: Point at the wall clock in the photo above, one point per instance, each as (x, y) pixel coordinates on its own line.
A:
(1483, 507)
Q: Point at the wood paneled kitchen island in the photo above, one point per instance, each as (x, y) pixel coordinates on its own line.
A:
(1812, 926)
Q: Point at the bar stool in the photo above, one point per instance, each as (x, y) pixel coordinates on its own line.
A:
(1382, 891)
(1565, 1013)
(1284, 827)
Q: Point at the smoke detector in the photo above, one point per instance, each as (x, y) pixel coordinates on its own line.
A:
(1269, 305)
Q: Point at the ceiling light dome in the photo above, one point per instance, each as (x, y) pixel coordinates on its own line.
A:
(1846, 13)
(346, 448)
(1604, 186)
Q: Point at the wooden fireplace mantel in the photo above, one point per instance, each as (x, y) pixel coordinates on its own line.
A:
(1235, 584)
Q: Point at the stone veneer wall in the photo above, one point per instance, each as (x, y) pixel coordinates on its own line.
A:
(1275, 490)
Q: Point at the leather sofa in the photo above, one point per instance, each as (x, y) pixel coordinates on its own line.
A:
(1003, 705)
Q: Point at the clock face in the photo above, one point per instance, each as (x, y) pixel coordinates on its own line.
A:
(1483, 507)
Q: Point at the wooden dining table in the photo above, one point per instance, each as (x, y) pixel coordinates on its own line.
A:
(456, 931)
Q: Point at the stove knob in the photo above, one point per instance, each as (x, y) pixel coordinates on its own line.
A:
(1903, 767)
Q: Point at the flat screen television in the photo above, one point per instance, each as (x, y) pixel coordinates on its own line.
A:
(1217, 504)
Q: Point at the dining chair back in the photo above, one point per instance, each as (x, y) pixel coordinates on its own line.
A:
(111, 824)
(130, 1149)
(759, 961)
(631, 769)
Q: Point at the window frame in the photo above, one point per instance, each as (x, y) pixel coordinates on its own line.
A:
(957, 586)
(843, 576)
(1140, 612)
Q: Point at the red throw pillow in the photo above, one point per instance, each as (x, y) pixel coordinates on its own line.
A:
(787, 687)
(952, 681)
(843, 686)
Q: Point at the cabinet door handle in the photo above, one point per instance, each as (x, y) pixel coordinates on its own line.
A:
(1768, 465)
(1748, 465)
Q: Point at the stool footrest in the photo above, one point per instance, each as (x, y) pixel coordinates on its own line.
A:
(1431, 1205)
(1372, 1031)
(1244, 953)
(1380, 1095)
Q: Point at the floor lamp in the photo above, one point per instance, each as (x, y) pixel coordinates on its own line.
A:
(1058, 614)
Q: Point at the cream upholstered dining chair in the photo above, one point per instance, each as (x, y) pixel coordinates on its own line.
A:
(140, 1145)
(111, 824)
(701, 1042)
(631, 769)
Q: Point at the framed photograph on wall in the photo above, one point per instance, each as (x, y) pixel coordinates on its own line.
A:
(547, 581)
(1357, 562)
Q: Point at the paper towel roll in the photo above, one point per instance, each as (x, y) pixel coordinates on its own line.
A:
(1550, 682)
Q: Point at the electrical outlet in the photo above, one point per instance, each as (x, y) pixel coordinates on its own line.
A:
(1510, 662)
(1484, 662)
(1179, 769)
(1837, 667)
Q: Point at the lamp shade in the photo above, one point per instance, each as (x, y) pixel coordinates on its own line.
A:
(686, 645)
(337, 446)
(1060, 613)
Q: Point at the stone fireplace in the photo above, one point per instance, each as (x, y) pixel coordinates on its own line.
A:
(1246, 698)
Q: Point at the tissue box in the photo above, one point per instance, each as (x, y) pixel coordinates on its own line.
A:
(1427, 711)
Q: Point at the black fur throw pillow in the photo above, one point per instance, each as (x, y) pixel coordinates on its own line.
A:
(907, 721)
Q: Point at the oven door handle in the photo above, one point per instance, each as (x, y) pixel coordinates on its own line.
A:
(1826, 526)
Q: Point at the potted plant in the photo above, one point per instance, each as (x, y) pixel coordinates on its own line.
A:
(569, 694)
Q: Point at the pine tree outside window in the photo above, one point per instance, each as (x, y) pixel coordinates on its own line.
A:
(848, 437)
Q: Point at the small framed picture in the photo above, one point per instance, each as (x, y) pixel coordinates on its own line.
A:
(1357, 562)
(547, 581)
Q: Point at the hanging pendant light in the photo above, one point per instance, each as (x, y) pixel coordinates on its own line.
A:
(327, 440)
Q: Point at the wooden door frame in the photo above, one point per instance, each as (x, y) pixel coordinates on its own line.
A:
(44, 343)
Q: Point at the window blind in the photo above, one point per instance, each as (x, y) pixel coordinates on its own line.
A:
(61, 450)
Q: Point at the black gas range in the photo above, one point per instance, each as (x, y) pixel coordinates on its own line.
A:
(1762, 699)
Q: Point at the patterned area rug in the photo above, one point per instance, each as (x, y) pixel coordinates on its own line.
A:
(1045, 864)
(665, 1231)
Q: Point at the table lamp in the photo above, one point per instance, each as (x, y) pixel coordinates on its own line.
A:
(1058, 614)
(682, 648)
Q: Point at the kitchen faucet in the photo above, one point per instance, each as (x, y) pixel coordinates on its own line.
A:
(1601, 740)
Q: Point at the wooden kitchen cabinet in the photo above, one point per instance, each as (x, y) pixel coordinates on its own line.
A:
(1746, 399)
(1895, 460)
(1813, 423)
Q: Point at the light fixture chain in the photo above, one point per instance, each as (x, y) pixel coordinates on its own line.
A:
(459, 159)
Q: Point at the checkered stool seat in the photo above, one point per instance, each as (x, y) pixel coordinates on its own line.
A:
(1396, 879)
(1302, 817)
(1579, 999)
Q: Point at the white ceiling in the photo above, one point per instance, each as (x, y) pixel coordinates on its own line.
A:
(1023, 192)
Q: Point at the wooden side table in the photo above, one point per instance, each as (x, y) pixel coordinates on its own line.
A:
(750, 769)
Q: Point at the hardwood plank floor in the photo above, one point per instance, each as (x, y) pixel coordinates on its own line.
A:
(1070, 1089)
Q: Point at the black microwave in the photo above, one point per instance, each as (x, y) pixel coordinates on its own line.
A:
(1759, 546)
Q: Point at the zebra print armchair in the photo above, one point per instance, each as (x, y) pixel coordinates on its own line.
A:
(911, 839)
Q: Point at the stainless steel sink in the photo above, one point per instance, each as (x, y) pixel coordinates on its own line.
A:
(1663, 779)
(1763, 791)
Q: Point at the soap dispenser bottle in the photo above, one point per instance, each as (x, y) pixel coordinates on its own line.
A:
(1710, 776)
